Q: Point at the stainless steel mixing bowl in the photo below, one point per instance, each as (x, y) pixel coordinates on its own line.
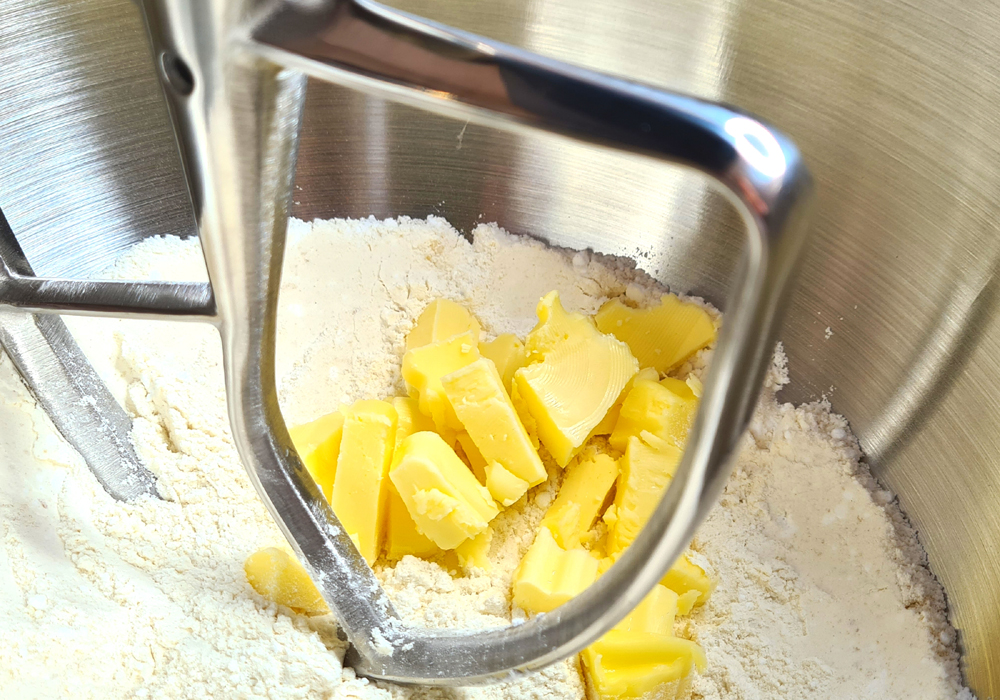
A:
(893, 104)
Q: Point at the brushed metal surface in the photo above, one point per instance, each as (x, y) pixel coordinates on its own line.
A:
(893, 104)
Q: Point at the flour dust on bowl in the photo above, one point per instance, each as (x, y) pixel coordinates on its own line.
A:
(480, 429)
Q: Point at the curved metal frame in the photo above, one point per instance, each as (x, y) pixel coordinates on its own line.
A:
(237, 129)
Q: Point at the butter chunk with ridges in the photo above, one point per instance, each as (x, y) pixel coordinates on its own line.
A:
(579, 378)
(442, 319)
(549, 575)
(360, 489)
(484, 409)
(276, 575)
(423, 368)
(401, 534)
(666, 409)
(607, 425)
(507, 353)
(442, 496)
(663, 336)
(318, 445)
(580, 498)
(646, 468)
(632, 664)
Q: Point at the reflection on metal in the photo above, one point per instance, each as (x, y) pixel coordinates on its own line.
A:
(757, 145)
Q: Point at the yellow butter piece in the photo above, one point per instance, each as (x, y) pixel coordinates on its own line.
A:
(409, 419)
(549, 575)
(527, 420)
(665, 409)
(579, 378)
(580, 498)
(611, 417)
(506, 488)
(475, 460)
(695, 385)
(360, 490)
(685, 578)
(555, 327)
(507, 353)
(473, 553)
(423, 368)
(632, 664)
(480, 402)
(663, 336)
(401, 534)
(442, 319)
(654, 615)
(646, 468)
(688, 582)
(276, 575)
(318, 445)
(442, 496)
(686, 602)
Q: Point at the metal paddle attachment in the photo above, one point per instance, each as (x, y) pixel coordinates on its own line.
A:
(235, 76)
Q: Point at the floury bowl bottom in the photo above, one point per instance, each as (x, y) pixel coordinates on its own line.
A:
(893, 107)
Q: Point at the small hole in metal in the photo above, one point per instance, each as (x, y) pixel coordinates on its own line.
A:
(177, 73)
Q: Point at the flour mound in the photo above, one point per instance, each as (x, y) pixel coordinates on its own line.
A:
(822, 588)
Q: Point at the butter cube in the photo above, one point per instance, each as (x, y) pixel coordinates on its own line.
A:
(442, 319)
(664, 409)
(442, 496)
(686, 602)
(360, 488)
(318, 445)
(632, 664)
(555, 327)
(654, 615)
(580, 377)
(507, 353)
(663, 336)
(527, 420)
(549, 575)
(475, 459)
(647, 467)
(688, 584)
(401, 534)
(506, 488)
(276, 575)
(580, 498)
(480, 402)
(423, 368)
(473, 553)
(685, 579)
(610, 420)
(409, 419)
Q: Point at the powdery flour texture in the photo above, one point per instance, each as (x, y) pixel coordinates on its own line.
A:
(822, 588)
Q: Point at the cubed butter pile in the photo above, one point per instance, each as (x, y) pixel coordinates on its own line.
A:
(425, 474)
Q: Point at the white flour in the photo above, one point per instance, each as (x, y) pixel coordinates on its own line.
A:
(821, 590)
